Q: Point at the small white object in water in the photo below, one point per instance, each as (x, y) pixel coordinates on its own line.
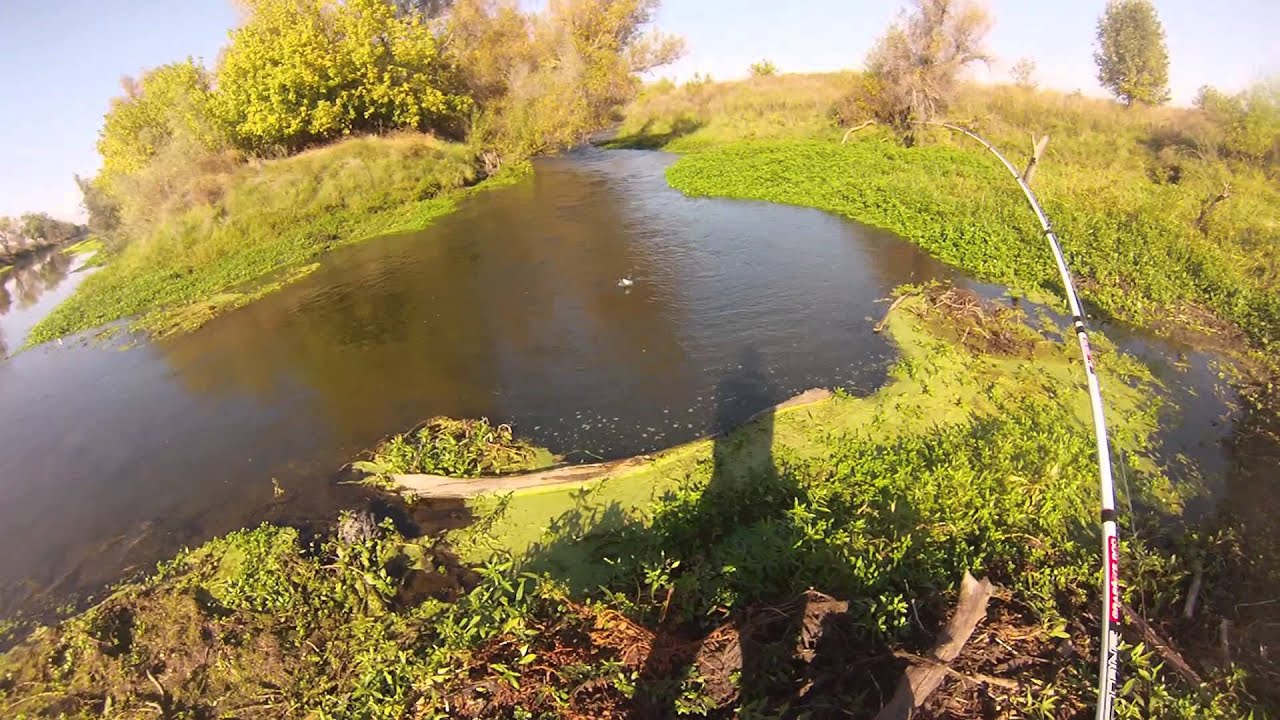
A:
(626, 282)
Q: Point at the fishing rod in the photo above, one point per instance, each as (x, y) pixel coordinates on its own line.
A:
(1108, 660)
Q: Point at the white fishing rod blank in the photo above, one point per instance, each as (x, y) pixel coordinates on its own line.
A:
(1108, 660)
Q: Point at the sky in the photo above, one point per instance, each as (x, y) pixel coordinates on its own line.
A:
(61, 62)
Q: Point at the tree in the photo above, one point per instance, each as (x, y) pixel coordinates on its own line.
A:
(102, 209)
(913, 71)
(1133, 62)
(42, 228)
(547, 80)
(1023, 73)
(165, 103)
(301, 72)
(427, 8)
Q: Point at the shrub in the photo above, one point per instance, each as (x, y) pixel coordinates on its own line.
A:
(764, 68)
(299, 72)
(913, 71)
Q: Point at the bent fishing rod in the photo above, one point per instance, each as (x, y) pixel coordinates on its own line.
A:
(1108, 660)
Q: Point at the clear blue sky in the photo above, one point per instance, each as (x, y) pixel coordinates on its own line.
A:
(60, 62)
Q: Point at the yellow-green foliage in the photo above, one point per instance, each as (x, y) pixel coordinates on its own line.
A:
(167, 101)
(268, 218)
(456, 448)
(1133, 62)
(300, 72)
(1247, 123)
(701, 113)
(548, 80)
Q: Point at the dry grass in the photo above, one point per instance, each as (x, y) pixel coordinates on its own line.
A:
(779, 106)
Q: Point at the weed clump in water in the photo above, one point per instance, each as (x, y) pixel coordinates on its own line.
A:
(456, 448)
(978, 324)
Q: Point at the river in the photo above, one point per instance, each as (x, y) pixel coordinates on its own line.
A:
(115, 454)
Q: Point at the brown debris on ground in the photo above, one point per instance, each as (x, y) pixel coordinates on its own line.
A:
(833, 673)
(980, 325)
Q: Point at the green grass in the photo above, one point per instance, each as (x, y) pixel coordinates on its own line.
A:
(455, 448)
(267, 221)
(91, 246)
(1121, 191)
(967, 461)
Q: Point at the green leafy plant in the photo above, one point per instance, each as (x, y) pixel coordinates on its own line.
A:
(456, 448)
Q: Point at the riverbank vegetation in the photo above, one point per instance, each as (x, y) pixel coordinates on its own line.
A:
(788, 568)
(261, 222)
(455, 448)
(1167, 214)
(328, 122)
(1136, 194)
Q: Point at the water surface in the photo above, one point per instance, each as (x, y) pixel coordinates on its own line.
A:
(113, 457)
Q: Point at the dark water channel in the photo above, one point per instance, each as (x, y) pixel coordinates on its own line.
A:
(112, 457)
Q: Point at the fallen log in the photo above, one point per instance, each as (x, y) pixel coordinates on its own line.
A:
(1154, 640)
(919, 681)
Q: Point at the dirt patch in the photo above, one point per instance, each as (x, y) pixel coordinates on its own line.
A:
(802, 657)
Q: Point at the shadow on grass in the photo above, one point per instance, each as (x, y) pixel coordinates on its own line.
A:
(721, 575)
(647, 139)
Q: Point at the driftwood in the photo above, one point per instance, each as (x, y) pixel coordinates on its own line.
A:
(855, 129)
(977, 678)
(880, 326)
(1037, 149)
(441, 486)
(1154, 640)
(1206, 207)
(919, 681)
(1193, 593)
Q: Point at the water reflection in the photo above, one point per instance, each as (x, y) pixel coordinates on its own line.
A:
(510, 308)
(28, 289)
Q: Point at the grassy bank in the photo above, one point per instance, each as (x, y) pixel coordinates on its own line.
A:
(685, 586)
(91, 247)
(1128, 190)
(261, 225)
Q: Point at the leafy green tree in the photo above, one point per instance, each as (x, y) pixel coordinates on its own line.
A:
(42, 228)
(165, 102)
(1133, 62)
(300, 72)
